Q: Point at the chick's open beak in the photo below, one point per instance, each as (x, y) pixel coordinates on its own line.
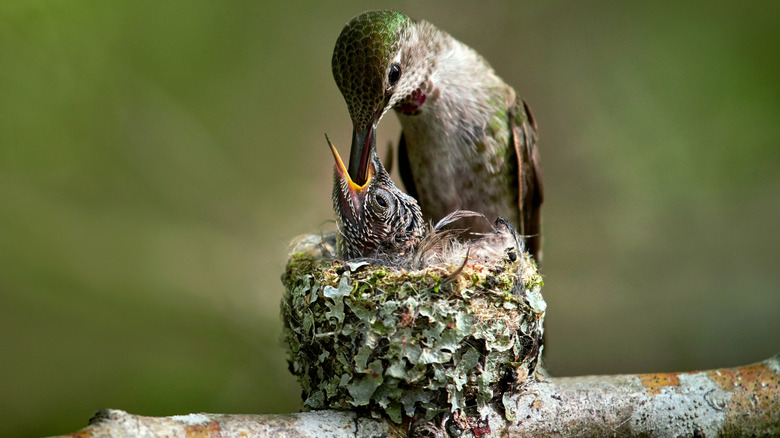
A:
(352, 194)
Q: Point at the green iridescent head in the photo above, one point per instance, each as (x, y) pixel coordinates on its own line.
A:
(378, 63)
(365, 52)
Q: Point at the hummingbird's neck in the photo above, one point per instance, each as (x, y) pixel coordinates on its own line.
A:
(464, 89)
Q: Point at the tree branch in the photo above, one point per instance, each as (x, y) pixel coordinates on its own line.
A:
(740, 401)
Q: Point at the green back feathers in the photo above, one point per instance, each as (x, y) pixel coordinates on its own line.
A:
(363, 52)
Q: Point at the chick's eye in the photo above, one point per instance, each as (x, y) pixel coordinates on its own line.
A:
(394, 74)
(380, 201)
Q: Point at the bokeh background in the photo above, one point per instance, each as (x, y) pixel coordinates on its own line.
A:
(157, 157)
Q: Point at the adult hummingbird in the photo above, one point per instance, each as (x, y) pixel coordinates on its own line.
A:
(468, 141)
(374, 218)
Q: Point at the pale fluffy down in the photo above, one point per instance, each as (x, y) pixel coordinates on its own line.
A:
(441, 247)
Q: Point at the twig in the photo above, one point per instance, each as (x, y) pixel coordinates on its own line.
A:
(742, 401)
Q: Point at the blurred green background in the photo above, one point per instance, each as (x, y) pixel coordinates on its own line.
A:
(157, 157)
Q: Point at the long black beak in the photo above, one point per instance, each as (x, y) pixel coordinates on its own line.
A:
(363, 143)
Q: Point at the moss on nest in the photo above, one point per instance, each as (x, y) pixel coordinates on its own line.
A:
(415, 343)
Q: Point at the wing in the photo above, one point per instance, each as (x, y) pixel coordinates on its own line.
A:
(405, 170)
(523, 128)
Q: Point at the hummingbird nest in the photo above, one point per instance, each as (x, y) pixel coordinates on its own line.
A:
(411, 342)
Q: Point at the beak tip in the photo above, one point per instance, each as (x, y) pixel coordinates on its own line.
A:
(363, 145)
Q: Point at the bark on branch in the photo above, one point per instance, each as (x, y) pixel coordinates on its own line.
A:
(742, 401)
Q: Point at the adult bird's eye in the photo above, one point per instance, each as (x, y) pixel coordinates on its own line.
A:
(394, 75)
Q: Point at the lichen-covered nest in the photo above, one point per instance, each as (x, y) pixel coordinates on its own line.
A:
(415, 343)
